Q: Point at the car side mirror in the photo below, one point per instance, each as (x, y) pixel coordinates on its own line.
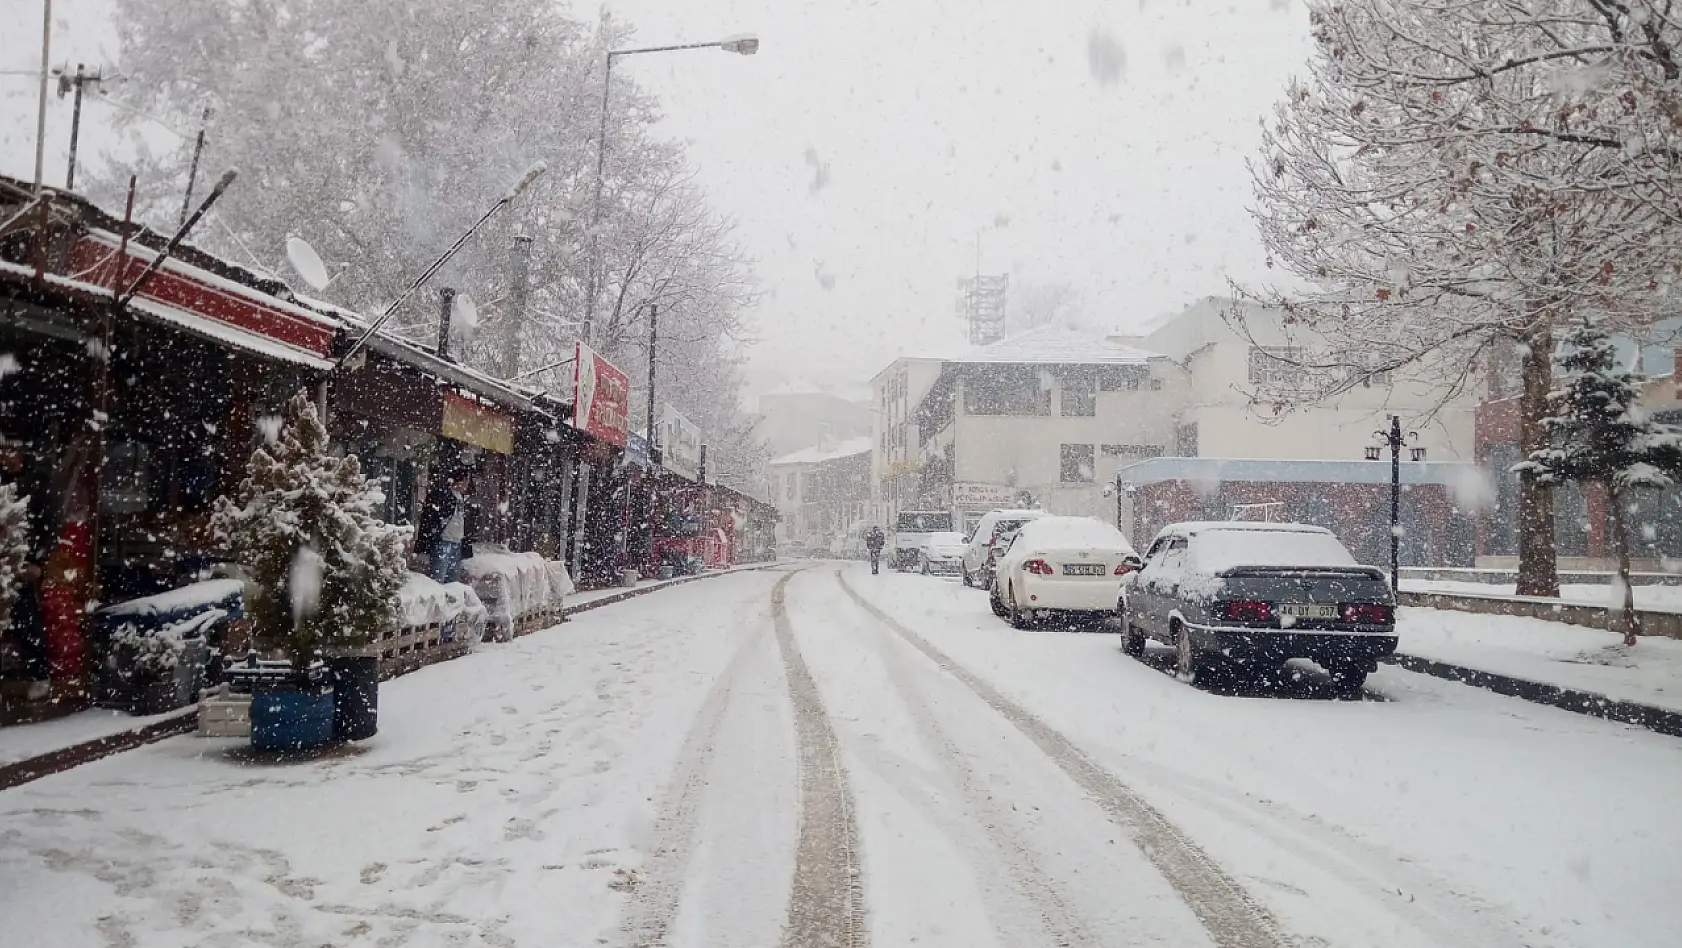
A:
(1134, 561)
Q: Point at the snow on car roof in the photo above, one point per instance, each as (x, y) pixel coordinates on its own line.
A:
(1082, 531)
(1198, 526)
(1286, 548)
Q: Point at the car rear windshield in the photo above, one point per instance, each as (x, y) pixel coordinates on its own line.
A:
(924, 522)
(1213, 551)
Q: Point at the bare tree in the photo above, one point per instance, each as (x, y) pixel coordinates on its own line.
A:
(1455, 178)
(379, 130)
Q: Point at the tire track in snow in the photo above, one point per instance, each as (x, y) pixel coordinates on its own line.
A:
(1429, 903)
(826, 901)
(1025, 879)
(658, 893)
(1230, 915)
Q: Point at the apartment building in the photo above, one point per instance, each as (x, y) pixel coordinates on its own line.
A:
(1050, 416)
(819, 492)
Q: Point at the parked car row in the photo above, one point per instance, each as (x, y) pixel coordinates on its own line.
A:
(1242, 596)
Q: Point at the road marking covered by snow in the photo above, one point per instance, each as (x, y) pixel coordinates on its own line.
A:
(826, 906)
(1232, 918)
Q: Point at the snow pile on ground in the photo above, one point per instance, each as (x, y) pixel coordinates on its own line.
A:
(1657, 598)
(513, 585)
(19, 742)
(1555, 653)
(426, 602)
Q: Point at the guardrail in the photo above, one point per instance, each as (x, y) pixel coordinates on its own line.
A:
(1653, 622)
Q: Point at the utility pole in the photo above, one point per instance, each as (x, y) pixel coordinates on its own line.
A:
(653, 344)
(517, 305)
(65, 84)
(41, 114)
(653, 451)
(447, 296)
(193, 169)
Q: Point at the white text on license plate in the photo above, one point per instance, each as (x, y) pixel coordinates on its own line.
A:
(1084, 569)
(1307, 610)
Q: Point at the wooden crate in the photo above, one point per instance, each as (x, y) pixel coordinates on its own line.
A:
(224, 714)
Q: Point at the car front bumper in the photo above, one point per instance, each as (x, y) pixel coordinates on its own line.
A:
(1364, 648)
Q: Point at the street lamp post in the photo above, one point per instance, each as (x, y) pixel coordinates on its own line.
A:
(1395, 440)
(745, 46)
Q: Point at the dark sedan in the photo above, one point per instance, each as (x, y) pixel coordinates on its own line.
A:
(1254, 595)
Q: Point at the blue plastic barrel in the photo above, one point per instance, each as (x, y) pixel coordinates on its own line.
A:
(291, 720)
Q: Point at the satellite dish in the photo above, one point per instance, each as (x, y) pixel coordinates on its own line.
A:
(307, 262)
(464, 314)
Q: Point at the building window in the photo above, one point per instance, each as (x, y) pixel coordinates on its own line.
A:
(1132, 450)
(1006, 390)
(1156, 385)
(1185, 440)
(1275, 366)
(1079, 396)
(1122, 378)
(1076, 464)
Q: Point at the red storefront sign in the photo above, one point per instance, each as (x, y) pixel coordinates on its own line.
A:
(94, 259)
(602, 397)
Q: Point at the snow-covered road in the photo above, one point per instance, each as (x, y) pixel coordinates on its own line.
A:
(819, 756)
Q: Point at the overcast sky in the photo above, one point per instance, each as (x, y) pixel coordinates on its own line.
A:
(869, 141)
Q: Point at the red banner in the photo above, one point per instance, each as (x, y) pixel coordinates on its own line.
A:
(601, 397)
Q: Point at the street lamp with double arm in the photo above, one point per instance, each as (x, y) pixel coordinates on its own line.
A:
(1395, 440)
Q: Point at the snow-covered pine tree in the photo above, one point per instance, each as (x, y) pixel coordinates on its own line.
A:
(1601, 435)
(323, 570)
(14, 547)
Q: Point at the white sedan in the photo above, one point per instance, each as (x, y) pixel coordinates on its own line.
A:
(1073, 566)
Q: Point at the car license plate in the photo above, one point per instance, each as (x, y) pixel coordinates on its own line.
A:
(1084, 569)
(1307, 610)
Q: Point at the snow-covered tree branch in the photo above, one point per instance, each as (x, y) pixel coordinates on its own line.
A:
(1455, 178)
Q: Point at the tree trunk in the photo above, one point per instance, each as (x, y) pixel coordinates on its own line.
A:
(1538, 573)
(1625, 620)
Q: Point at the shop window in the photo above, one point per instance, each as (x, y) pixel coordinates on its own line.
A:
(1076, 464)
(126, 486)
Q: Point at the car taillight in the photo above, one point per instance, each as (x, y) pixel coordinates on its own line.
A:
(1367, 613)
(1247, 610)
(1122, 569)
(1039, 568)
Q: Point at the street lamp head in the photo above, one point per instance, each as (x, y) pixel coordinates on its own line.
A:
(1418, 454)
(532, 174)
(1373, 452)
(746, 45)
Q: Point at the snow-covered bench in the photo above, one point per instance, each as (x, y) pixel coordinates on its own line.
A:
(522, 592)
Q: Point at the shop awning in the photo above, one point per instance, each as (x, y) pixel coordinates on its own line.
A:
(214, 330)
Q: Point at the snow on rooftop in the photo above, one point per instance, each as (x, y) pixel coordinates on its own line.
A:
(1057, 345)
(819, 453)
